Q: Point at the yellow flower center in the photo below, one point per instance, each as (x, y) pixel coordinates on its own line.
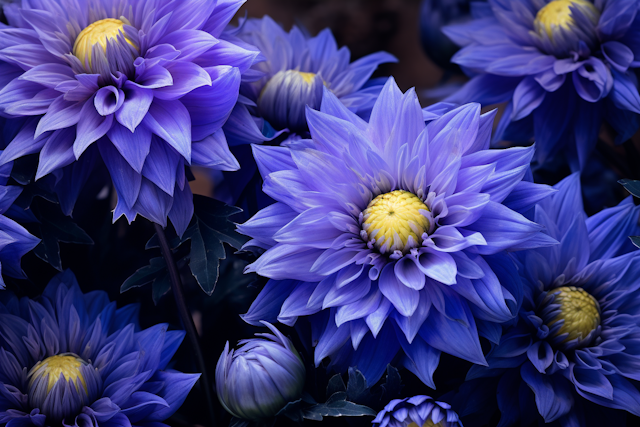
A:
(557, 13)
(427, 423)
(394, 220)
(98, 33)
(307, 77)
(67, 364)
(579, 310)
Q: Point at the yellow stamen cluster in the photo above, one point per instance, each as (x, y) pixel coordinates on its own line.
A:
(557, 13)
(392, 219)
(307, 77)
(97, 33)
(68, 365)
(579, 310)
(427, 423)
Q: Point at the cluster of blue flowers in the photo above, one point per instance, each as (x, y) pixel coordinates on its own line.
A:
(448, 245)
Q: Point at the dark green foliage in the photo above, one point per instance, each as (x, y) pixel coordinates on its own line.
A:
(38, 210)
(355, 399)
(209, 229)
(52, 228)
(632, 186)
(337, 406)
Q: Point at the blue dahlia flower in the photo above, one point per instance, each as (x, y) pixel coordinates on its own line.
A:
(562, 66)
(15, 240)
(148, 84)
(259, 378)
(292, 76)
(393, 233)
(420, 411)
(75, 359)
(578, 335)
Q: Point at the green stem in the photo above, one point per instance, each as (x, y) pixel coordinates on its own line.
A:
(185, 317)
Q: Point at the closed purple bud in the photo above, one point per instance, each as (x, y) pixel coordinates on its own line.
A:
(286, 95)
(259, 378)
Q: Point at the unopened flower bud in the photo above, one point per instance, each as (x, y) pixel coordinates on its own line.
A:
(260, 377)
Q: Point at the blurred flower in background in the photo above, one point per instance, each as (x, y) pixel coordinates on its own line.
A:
(578, 334)
(147, 84)
(393, 233)
(259, 378)
(563, 67)
(420, 411)
(295, 70)
(75, 359)
(435, 14)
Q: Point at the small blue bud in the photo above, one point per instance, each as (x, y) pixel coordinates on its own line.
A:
(260, 377)
(284, 98)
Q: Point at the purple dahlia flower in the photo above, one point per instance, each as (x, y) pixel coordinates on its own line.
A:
(420, 411)
(292, 77)
(578, 335)
(562, 66)
(74, 359)
(392, 234)
(148, 84)
(260, 377)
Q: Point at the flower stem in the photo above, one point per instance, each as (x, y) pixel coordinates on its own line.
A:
(185, 316)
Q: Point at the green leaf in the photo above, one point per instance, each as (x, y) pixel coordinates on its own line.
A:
(160, 287)
(337, 406)
(293, 411)
(335, 385)
(357, 389)
(146, 274)
(215, 215)
(49, 251)
(206, 252)
(632, 186)
(23, 170)
(54, 227)
(635, 240)
(174, 241)
(210, 227)
(392, 386)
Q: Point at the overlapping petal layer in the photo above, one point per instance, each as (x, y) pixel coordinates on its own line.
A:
(545, 351)
(417, 410)
(295, 69)
(431, 292)
(562, 74)
(151, 97)
(124, 368)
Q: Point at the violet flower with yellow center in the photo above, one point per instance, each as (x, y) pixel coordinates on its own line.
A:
(144, 85)
(74, 359)
(391, 235)
(577, 341)
(563, 68)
